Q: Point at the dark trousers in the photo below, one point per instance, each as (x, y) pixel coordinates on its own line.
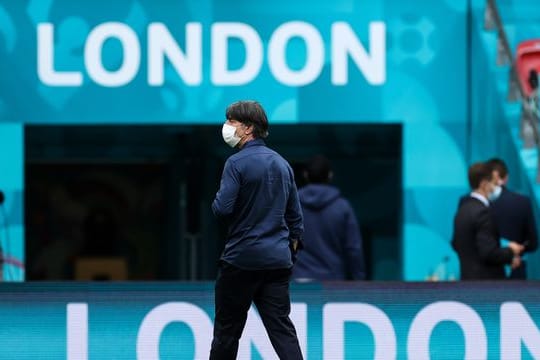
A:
(235, 290)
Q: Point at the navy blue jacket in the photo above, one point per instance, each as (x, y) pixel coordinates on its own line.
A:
(332, 241)
(514, 217)
(258, 200)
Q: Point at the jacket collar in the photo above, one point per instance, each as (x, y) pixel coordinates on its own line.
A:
(254, 142)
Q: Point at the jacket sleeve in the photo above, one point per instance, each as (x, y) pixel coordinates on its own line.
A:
(531, 238)
(293, 216)
(487, 244)
(223, 204)
(354, 254)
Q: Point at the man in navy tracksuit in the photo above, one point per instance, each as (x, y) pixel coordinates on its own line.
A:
(258, 201)
(332, 241)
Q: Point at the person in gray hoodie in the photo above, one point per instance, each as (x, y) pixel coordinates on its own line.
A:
(332, 240)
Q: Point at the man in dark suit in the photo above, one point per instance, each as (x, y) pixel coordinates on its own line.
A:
(475, 237)
(513, 216)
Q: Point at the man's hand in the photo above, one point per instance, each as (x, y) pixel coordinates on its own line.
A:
(293, 246)
(516, 262)
(516, 248)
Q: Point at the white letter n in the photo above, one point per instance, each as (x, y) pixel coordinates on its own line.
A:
(161, 45)
(77, 331)
(517, 327)
(372, 64)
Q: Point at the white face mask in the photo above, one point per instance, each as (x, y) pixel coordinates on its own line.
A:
(229, 135)
(494, 195)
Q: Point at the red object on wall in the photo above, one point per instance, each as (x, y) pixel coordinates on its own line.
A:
(527, 58)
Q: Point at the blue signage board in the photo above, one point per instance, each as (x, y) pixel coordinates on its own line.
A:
(183, 61)
(335, 321)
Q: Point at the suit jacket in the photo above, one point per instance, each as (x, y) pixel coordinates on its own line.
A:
(476, 242)
(514, 217)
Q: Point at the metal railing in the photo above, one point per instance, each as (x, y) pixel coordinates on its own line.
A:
(529, 121)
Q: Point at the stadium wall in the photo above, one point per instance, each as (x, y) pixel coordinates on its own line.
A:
(66, 62)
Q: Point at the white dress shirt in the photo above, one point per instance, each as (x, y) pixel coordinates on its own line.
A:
(480, 197)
